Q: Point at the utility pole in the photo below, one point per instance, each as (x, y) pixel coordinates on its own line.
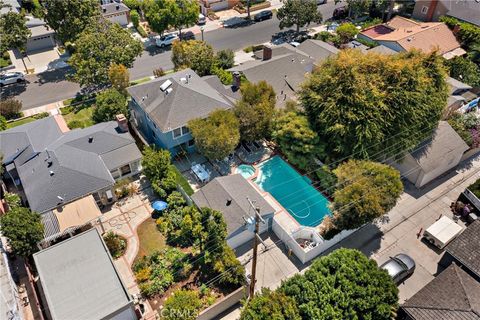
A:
(256, 239)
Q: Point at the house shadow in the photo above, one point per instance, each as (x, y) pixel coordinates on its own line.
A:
(153, 50)
(13, 90)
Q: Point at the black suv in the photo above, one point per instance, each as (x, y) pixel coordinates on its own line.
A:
(187, 36)
(263, 15)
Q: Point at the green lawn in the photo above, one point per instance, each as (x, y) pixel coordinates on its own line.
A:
(150, 238)
(82, 115)
(183, 182)
(20, 122)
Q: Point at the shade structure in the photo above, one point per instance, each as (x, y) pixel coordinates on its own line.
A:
(159, 205)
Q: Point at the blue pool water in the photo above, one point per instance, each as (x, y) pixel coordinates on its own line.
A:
(245, 170)
(293, 191)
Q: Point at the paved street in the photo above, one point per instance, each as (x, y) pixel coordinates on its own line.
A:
(51, 86)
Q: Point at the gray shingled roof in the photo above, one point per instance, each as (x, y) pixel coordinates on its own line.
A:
(468, 11)
(455, 85)
(110, 8)
(52, 164)
(465, 248)
(79, 279)
(234, 187)
(452, 295)
(318, 50)
(444, 141)
(187, 100)
(382, 49)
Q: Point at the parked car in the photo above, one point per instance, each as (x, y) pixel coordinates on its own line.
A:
(201, 19)
(263, 15)
(166, 40)
(187, 36)
(11, 77)
(399, 267)
(340, 13)
(235, 22)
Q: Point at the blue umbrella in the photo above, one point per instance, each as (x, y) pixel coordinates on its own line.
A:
(159, 205)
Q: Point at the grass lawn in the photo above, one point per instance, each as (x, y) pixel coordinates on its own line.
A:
(20, 122)
(150, 238)
(183, 182)
(81, 114)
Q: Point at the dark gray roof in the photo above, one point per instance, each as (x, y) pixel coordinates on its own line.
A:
(79, 279)
(214, 82)
(468, 11)
(317, 50)
(465, 248)
(356, 45)
(445, 140)
(53, 165)
(39, 31)
(236, 188)
(452, 295)
(382, 49)
(284, 73)
(186, 101)
(455, 85)
(116, 7)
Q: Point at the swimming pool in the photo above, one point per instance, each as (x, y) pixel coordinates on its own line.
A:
(245, 170)
(293, 191)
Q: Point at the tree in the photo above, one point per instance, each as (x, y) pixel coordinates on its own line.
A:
(109, 103)
(10, 108)
(346, 31)
(255, 110)
(13, 200)
(464, 70)
(299, 143)
(353, 102)
(343, 285)
(135, 17)
(365, 191)
(159, 14)
(98, 47)
(116, 244)
(356, 7)
(23, 229)
(268, 305)
(69, 18)
(182, 304)
(194, 54)
(158, 169)
(3, 123)
(225, 58)
(119, 77)
(13, 31)
(474, 53)
(133, 4)
(299, 13)
(185, 14)
(217, 135)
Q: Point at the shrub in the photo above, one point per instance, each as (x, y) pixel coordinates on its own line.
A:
(70, 47)
(76, 124)
(346, 32)
(157, 73)
(135, 17)
(182, 304)
(116, 244)
(225, 77)
(13, 200)
(142, 31)
(3, 123)
(109, 103)
(324, 36)
(10, 108)
(225, 58)
(368, 43)
(41, 115)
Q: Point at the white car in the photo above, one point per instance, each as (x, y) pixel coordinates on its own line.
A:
(11, 77)
(166, 40)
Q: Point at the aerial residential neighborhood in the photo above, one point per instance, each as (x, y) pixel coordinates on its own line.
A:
(240, 159)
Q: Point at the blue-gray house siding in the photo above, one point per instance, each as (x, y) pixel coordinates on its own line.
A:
(154, 135)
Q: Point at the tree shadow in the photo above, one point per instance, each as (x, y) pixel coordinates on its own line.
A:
(56, 75)
(13, 90)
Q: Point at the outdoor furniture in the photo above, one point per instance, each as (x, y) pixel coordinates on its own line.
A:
(201, 172)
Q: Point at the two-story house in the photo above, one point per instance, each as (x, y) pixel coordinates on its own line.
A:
(161, 108)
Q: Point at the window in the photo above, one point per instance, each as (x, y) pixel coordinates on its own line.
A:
(185, 130)
(125, 170)
(115, 174)
(153, 134)
(177, 133)
(424, 9)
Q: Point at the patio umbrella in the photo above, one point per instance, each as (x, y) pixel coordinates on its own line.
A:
(159, 205)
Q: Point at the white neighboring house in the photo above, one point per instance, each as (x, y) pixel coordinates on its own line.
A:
(229, 195)
(42, 37)
(433, 157)
(116, 12)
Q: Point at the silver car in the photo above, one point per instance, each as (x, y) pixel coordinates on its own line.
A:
(399, 267)
(11, 77)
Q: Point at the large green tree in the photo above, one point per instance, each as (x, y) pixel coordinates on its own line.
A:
(23, 229)
(13, 31)
(298, 13)
(185, 14)
(358, 102)
(292, 133)
(356, 7)
(69, 18)
(98, 47)
(163, 14)
(365, 191)
(157, 167)
(464, 70)
(217, 135)
(194, 54)
(109, 103)
(343, 285)
(255, 110)
(268, 305)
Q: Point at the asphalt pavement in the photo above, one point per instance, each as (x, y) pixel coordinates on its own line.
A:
(52, 86)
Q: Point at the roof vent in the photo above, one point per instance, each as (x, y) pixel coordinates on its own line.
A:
(51, 173)
(117, 7)
(168, 91)
(183, 80)
(49, 163)
(60, 198)
(90, 139)
(229, 202)
(165, 85)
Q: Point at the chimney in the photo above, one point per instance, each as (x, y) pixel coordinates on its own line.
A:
(229, 202)
(117, 7)
(431, 10)
(267, 53)
(122, 122)
(104, 10)
(236, 80)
